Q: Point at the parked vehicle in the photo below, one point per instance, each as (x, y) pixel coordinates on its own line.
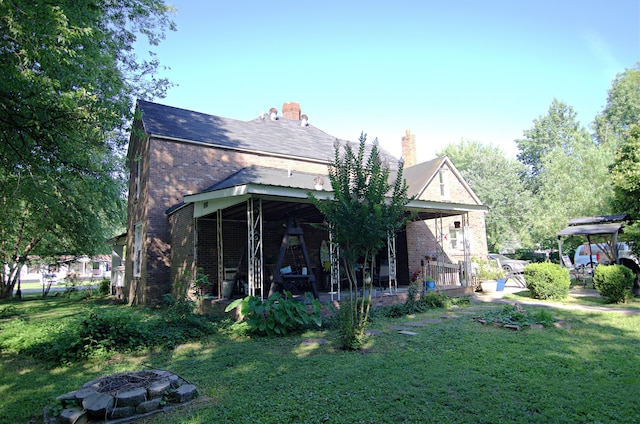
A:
(514, 266)
(600, 254)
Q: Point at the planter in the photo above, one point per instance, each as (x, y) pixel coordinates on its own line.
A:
(500, 286)
(489, 286)
(430, 285)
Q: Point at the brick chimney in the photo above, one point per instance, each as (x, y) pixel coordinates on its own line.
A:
(291, 111)
(409, 149)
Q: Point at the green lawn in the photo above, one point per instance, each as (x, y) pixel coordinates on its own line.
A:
(454, 371)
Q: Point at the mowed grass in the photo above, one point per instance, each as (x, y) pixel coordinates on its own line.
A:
(452, 371)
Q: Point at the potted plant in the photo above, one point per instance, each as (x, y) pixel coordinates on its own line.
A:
(488, 272)
(429, 282)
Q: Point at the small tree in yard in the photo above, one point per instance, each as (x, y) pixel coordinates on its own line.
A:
(360, 219)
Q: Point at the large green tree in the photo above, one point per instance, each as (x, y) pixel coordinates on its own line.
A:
(625, 177)
(622, 109)
(366, 208)
(69, 78)
(496, 181)
(557, 131)
(567, 172)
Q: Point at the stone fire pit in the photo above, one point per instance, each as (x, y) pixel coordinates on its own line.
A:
(121, 398)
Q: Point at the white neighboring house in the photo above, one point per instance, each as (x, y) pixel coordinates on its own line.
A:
(82, 268)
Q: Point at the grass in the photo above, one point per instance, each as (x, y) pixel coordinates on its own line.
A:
(581, 299)
(455, 371)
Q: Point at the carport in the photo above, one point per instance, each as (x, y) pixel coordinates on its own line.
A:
(605, 226)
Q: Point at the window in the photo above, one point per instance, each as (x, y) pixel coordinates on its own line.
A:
(137, 182)
(137, 249)
(455, 237)
(444, 189)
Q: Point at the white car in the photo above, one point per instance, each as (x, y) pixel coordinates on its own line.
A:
(513, 266)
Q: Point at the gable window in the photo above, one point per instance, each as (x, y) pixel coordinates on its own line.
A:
(444, 187)
(137, 249)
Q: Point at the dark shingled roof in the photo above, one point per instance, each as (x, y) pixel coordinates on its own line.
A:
(282, 137)
(418, 176)
(271, 177)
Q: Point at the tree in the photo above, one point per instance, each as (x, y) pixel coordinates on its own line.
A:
(558, 130)
(625, 179)
(622, 109)
(496, 181)
(568, 172)
(69, 79)
(361, 217)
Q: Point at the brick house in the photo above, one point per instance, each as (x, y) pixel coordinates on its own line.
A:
(223, 195)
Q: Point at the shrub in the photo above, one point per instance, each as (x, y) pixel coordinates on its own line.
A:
(104, 287)
(614, 282)
(278, 314)
(547, 281)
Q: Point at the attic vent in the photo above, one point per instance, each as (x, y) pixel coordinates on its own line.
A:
(304, 119)
(273, 114)
(205, 205)
(318, 183)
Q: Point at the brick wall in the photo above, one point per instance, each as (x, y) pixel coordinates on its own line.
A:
(182, 230)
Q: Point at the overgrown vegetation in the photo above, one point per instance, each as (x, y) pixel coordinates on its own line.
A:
(98, 330)
(517, 315)
(614, 282)
(547, 281)
(277, 315)
(420, 300)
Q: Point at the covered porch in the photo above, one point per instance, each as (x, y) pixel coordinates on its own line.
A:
(254, 238)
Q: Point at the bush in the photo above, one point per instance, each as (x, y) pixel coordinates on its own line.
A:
(277, 315)
(104, 287)
(614, 282)
(547, 281)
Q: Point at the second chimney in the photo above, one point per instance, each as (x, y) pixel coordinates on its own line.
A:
(409, 149)
(291, 110)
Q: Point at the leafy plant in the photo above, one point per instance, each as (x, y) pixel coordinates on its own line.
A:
(488, 270)
(277, 315)
(547, 281)
(614, 282)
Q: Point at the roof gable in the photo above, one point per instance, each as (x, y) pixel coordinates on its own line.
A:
(421, 176)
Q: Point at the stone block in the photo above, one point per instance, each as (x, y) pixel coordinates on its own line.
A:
(74, 416)
(185, 393)
(157, 388)
(99, 405)
(512, 327)
(175, 380)
(148, 406)
(123, 412)
(132, 397)
(84, 393)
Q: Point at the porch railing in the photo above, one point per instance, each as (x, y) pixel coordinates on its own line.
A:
(444, 274)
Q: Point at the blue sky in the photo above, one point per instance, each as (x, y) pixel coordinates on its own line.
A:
(447, 71)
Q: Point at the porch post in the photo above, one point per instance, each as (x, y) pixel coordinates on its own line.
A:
(334, 253)
(255, 272)
(466, 243)
(391, 260)
(220, 250)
